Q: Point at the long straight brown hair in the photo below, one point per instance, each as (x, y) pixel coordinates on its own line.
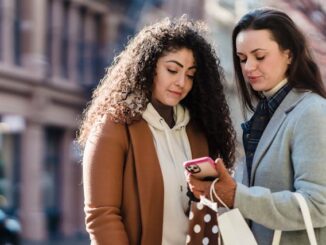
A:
(303, 72)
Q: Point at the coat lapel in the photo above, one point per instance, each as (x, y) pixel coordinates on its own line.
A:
(149, 176)
(289, 102)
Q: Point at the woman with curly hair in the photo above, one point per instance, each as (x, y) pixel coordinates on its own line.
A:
(160, 103)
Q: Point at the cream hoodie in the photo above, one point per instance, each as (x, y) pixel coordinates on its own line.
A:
(172, 148)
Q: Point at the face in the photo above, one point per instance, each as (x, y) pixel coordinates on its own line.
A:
(174, 77)
(262, 61)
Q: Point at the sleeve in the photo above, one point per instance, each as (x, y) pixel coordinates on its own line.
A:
(279, 210)
(103, 163)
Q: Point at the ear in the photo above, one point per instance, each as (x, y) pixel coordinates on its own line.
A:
(288, 53)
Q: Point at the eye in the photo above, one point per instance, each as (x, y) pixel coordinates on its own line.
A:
(242, 60)
(191, 77)
(172, 71)
(260, 58)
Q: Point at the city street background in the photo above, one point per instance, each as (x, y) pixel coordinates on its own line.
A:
(53, 53)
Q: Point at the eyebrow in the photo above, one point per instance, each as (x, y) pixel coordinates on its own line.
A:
(179, 64)
(253, 51)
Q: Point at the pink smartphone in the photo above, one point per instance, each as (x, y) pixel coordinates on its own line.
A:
(201, 168)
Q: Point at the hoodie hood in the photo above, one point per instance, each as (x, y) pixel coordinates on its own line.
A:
(180, 114)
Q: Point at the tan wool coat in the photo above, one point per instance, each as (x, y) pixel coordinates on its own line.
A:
(123, 184)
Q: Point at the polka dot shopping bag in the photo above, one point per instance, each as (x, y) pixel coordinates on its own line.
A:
(203, 227)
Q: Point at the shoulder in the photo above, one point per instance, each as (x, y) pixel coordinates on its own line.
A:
(106, 130)
(309, 115)
(312, 104)
(314, 98)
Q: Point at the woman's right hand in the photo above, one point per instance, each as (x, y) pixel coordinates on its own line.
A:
(225, 187)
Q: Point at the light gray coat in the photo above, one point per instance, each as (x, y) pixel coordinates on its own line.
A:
(291, 156)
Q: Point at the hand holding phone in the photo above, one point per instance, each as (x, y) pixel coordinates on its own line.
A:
(201, 168)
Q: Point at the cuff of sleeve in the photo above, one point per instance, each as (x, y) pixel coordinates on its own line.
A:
(240, 192)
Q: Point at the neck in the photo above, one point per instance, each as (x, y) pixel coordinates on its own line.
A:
(273, 91)
(165, 111)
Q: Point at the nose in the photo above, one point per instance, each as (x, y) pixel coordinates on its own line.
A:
(250, 65)
(181, 80)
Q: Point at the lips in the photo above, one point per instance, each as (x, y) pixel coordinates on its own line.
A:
(253, 78)
(176, 93)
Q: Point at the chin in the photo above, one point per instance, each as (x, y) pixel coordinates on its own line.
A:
(258, 88)
(172, 102)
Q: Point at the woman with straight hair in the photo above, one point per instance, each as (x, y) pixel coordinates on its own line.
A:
(284, 140)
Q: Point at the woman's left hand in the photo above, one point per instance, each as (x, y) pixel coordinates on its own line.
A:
(225, 187)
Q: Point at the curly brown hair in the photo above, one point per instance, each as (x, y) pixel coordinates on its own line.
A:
(124, 92)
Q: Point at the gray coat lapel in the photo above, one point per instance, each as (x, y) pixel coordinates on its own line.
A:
(289, 102)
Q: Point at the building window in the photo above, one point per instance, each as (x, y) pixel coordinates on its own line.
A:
(49, 38)
(64, 41)
(98, 60)
(1, 29)
(93, 55)
(17, 33)
(81, 47)
(10, 148)
(51, 191)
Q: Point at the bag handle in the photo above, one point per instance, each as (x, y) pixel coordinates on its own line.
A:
(213, 191)
(307, 220)
(211, 203)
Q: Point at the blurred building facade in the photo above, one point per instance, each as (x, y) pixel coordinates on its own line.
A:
(50, 52)
(310, 16)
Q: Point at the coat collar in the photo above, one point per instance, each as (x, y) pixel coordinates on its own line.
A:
(287, 105)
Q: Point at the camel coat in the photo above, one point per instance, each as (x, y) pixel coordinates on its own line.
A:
(123, 184)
